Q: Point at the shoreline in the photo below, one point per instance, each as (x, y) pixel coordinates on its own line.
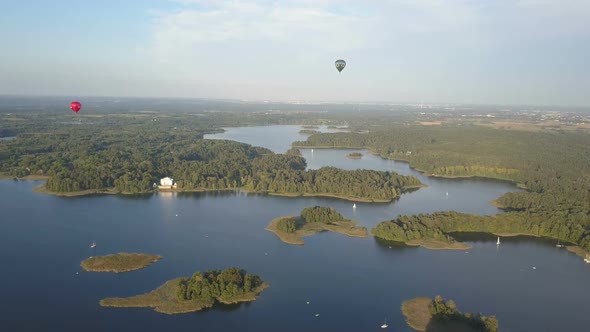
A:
(111, 191)
(578, 251)
(434, 244)
(25, 178)
(346, 198)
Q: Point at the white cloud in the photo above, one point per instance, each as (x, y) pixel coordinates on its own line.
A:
(271, 45)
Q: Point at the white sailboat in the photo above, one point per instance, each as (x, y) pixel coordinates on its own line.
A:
(498, 242)
(354, 206)
(559, 245)
(447, 194)
(384, 325)
(93, 245)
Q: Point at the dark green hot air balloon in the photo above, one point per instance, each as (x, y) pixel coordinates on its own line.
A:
(340, 64)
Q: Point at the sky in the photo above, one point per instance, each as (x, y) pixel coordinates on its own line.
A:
(434, 51)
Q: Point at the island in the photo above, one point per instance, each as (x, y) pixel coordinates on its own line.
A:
(202, 290)
(118, 263)
(354, 155)
(292, 229)
(438, 314)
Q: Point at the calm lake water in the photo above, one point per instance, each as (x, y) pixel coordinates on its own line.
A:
(354, 284)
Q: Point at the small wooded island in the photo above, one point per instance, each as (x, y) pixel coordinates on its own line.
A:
(121, 262)
(354, 155)
(292, 229)
(438, 314)
(202, 290)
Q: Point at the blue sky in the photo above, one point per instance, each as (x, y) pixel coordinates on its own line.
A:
(445, 51)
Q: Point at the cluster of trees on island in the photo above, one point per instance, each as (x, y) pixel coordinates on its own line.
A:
(315, 214)
(446, 310)
(214, 285)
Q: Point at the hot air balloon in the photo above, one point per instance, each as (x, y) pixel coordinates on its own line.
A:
(340, 64)
(75, 106)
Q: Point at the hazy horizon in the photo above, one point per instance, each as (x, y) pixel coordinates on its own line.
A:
(519, 52)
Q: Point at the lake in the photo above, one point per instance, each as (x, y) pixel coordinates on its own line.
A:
(353, 283)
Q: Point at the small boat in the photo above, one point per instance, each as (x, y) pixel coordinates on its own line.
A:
(559, 245)
(587, 259)
(93, 245)
(384, 325)
(354, 206)
(447, 194)
(311, 150)
(498, 242)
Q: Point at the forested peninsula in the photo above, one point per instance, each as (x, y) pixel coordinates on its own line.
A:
(121, 262)
(438, 226)
(292, 229)
(123, 165)
(438, 314)
(202, 290)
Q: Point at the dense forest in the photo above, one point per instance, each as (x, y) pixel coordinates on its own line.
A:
(214, 285)
(558, 225)
(133, 157)
(446, 310)
(321, 214)
(554, 167)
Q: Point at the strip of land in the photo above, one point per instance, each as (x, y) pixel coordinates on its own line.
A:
(578, 251)
(118, 263)
(346, 227)
(435, 244)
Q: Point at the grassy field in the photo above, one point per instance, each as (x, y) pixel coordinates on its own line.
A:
(437, 244)
(418, 317)
(164, 300)
(121, 262)
(346, 227)
(417, 313)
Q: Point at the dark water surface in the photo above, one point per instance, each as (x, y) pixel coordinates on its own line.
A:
(352, 283)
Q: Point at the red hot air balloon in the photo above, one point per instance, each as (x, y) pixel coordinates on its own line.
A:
(75, 106)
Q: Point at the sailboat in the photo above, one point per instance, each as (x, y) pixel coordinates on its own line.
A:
(498, 242)
(384, 326)
(354, 206)
(447, 194)
(93, 244)
(559, 245)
